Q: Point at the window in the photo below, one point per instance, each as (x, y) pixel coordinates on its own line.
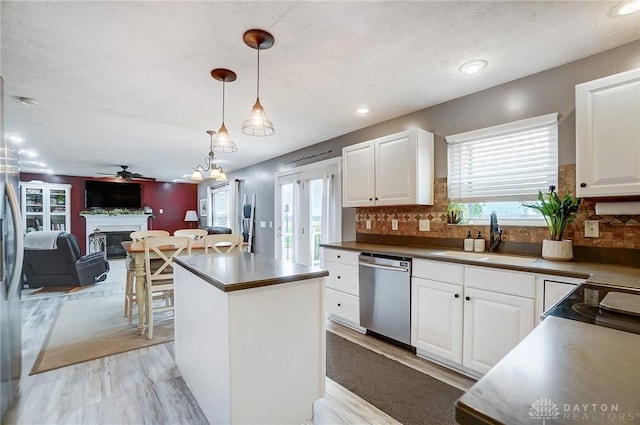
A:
(221, 206)
(497, 168)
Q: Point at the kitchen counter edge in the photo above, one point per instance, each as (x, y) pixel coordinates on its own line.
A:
(247, 281)
(596, 273)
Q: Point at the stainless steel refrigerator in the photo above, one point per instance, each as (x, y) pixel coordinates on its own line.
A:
(11, 254)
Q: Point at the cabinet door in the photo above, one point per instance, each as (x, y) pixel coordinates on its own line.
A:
(395, 169)
(33, 208)
(493, 324)
(554, 292)
(608, 136)
(357, 175)
(436, 318)
(58, 208)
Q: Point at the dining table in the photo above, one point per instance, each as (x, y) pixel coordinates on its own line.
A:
(136, 250)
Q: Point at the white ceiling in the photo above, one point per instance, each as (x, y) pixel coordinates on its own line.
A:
(128, 83)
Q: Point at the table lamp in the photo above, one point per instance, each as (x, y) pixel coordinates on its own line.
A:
(190, 217)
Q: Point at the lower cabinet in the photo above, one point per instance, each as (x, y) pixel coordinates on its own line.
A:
(342, 292)
(475, 319)
(436, 317)
(494, 323)
(342, 305)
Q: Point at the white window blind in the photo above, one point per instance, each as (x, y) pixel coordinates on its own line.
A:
(508, 162)
(221, 206)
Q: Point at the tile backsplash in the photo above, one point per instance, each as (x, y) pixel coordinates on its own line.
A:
(615, 231)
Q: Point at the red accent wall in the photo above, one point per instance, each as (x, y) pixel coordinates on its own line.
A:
(173, 198)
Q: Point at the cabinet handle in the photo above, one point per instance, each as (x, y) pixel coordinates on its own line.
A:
(376, 199)
(338, 277)
(467, 298)
(338, 256)
(456, 295)
(339, 304)
(583, 185)
(371, 199)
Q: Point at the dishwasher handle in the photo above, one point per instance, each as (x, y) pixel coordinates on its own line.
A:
(379, 266)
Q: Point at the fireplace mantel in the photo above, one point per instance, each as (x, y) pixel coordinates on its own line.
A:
(114, 223)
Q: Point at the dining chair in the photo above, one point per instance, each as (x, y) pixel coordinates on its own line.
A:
(160, 279)
(193, 233)
(129, 287)
(223, 243)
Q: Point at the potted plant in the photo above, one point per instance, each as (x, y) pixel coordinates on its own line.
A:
(557, 212)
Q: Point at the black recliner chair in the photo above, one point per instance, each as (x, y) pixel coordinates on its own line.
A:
(53, 259)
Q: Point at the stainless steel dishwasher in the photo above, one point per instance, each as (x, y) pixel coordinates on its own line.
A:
(385, 296)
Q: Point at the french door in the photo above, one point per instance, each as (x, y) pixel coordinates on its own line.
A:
(308, 211)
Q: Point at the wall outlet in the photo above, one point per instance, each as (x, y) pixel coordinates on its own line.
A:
(263, 224)
(394, 224)
(591, 229)
(424, 225)
(160, 211)
(367, 224)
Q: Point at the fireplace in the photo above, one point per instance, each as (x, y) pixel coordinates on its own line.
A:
(117, 229)
(114, 244)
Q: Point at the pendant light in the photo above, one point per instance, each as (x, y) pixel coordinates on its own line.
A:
(223, 142)
(258, 124)
(216, 171)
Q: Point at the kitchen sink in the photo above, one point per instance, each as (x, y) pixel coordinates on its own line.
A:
(485, 257)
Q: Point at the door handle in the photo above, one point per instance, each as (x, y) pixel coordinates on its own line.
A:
(16, 273)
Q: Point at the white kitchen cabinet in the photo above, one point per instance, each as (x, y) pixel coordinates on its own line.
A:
(494, 323)
(554, 292)
(46, 206)
(436, 317)
(390, 170)
(342, 301)
(608, 136)
(469, 317)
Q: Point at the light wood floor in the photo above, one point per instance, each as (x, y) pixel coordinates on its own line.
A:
(145, 386)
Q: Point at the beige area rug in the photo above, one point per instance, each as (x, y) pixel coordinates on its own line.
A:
(91, 328)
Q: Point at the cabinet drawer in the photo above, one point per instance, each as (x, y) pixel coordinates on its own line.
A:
(342, 277)
(505, 282)
(342, 305)
(435, 270)
(341, 256)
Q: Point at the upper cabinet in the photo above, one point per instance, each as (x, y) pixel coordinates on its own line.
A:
(608, 136)
(390, 170)
(46, 206)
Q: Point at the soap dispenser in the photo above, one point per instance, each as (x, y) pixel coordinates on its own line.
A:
(478, 243)
(468, 243)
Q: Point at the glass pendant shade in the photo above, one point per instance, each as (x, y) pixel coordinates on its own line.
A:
(257, 124)
(197, 175)
(223, 142)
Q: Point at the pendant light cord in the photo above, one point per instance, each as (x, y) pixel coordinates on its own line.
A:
(258, 79)
(224, 81)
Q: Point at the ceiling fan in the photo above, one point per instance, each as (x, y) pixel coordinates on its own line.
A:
(128, 175)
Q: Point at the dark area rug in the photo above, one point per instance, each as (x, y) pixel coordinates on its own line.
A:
(403, 393)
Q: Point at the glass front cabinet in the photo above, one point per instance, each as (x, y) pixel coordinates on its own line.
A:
(46, 206)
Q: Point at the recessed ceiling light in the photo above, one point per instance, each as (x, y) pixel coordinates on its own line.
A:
(362, 111)
(473, 66)
(28, 101)
(623, 8)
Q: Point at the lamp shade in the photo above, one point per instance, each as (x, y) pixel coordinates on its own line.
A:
(191, 215)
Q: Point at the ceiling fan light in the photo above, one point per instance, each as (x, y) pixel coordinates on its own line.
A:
(257, 124)
(197, 175)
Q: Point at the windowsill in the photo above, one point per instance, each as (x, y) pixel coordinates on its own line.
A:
(504, 223)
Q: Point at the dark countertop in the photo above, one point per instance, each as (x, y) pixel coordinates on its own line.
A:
(580, 368)
(243, 270)
(597, 273)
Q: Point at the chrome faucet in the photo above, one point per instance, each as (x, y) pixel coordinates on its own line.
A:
(494, 230)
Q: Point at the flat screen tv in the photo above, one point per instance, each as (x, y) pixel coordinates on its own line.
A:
(99, 194)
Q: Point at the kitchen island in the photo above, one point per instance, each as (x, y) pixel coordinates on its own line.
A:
(250, 337)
